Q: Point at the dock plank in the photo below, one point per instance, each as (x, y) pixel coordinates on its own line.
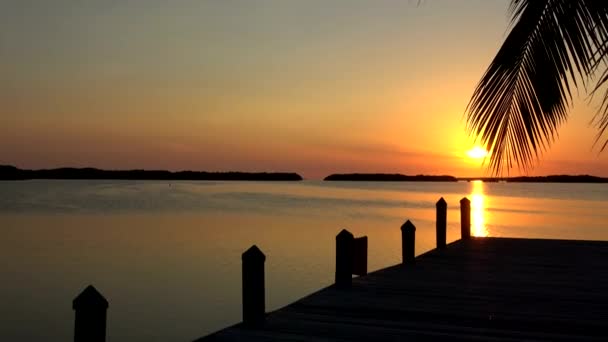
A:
(484, 289)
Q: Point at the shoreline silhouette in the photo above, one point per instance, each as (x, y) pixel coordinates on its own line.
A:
(396, 177)
(8, 172)
(12, 173)
(388, 177)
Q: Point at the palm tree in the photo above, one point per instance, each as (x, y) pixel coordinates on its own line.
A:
(525, 94)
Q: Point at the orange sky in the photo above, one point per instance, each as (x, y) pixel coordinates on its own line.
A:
(314, 87)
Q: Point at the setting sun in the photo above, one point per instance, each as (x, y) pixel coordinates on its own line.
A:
(477, 152)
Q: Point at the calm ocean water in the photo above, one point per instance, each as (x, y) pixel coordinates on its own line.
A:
(167, 254)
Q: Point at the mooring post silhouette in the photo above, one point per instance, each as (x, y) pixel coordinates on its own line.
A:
(408, 243)
(441, 225)
(465, 218)
(360, 256)
(90, 309)
(254, 301)
(344, 259)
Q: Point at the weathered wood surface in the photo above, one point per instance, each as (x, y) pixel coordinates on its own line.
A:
(484, 289)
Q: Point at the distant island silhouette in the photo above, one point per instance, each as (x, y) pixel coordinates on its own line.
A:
(388, 177)
(8, 172)
(395, 177)
(541, 179)
(559, 179)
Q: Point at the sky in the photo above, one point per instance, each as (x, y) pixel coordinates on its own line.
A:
(314, 87)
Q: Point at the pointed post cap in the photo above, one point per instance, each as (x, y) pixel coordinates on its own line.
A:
(408, 226)
(464, 200)
(253, 254)
(441, 203)
(89, 298)
(345, 234)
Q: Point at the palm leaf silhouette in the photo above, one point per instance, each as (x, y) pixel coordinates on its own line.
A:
(524, 95)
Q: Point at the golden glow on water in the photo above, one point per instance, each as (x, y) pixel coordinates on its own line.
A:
(478, 219)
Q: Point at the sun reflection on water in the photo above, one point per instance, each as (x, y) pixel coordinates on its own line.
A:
(478, 222)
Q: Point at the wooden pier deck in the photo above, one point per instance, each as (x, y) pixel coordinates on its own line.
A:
(484, 289)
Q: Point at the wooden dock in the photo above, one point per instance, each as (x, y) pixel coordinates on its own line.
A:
(484, 289)
(474, 289)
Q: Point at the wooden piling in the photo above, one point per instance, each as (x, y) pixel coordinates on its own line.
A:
(408, 243)
(254, 311)
(441, 225)
(90, 309)
(344, 259)
(360, 256)
(465, 218)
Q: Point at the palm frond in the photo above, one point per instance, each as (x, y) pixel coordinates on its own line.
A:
(600, 60)
(601, 117)
(525, 93)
